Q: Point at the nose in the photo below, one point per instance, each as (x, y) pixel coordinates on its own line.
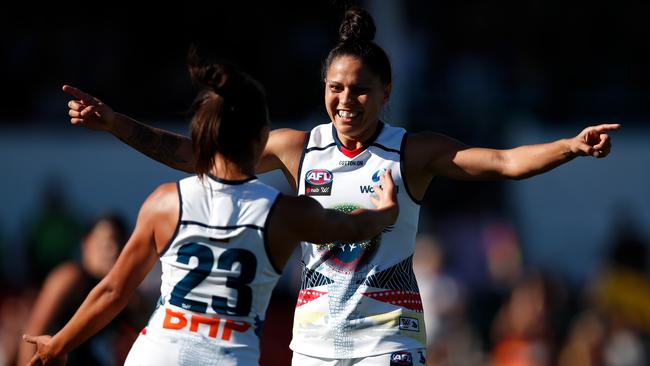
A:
(346, 98)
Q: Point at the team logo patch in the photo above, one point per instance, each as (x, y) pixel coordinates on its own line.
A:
(401, 358)
(318, 182)
(369, 188)
(377, 174)
(347, 257)
(406, 323)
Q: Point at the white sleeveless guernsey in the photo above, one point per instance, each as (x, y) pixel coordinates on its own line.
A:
(217, 278)
(358, 299)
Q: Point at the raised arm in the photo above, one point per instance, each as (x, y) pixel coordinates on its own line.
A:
(111, 295)
(283, 151)
(166, 147)
(451, 158)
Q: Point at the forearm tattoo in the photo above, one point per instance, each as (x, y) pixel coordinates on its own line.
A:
(159, 145)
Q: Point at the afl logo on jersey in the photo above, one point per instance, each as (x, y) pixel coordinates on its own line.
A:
(318, 182)
(319, 177)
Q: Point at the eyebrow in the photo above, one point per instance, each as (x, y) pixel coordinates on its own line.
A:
(353, 86)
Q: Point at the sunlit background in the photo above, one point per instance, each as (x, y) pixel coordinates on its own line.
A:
(545, 271)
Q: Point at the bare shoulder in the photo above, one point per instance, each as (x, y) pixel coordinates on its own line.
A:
(162, 205)
(431, 141)
(162, 198)
(287, 137)
(283, 151)
(427, 154)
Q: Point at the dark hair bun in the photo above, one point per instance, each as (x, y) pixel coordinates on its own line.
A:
(206, 72)
(357, 26)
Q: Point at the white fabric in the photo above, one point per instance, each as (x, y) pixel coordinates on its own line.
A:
(415, 357)
(357, 299)
(217, 278)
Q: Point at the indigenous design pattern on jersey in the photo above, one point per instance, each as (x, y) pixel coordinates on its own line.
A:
(217, 277)
(358, 299)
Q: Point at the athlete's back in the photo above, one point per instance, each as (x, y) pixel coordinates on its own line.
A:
(217, 277)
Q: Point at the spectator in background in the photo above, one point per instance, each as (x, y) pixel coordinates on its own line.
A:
(53, 233)
(584, 343)
(451, 340)
(67, 285)
(523, 331)
(621, 293)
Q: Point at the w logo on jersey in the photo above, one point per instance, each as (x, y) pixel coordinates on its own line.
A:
(369, 188)
(378, 173)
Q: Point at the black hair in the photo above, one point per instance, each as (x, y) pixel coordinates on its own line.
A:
(116, 221)
(229, 112)
(356, 35)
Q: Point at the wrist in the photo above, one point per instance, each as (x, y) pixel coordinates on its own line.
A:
(112, 123)
(54, 347)
(569, 148)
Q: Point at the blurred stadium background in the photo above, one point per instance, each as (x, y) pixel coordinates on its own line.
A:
(550, 270)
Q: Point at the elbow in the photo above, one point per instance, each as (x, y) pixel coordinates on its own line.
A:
(518, 176)
(519, 173)
(113, 295)
(514, 171)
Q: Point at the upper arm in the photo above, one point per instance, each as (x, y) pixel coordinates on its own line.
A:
(155, 225)
(283, 151)
(429, 154)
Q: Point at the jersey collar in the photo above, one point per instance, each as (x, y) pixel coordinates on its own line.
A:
(231, 182)
(353, 153)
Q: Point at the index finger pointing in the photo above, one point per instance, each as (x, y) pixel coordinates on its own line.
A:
(607, 127)
(77, 93)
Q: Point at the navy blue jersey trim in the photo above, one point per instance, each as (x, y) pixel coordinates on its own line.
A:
(401, 169)
(231, 182)
(320, 147)
(228, 227)
(302, 158)
(178, 222)
(371, 140)
(265, 234)
(386, 148)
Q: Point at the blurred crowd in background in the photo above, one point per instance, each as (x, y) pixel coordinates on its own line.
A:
(473, 70)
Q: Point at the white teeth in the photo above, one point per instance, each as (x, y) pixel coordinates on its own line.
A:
(347, 114)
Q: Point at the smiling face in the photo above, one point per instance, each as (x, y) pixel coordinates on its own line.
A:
(353, 97)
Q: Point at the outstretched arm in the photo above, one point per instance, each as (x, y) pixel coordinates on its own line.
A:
(448, 157)
(166, 147)
(111, 295)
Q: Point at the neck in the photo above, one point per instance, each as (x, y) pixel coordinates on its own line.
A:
(228, 170)
(355, 142)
